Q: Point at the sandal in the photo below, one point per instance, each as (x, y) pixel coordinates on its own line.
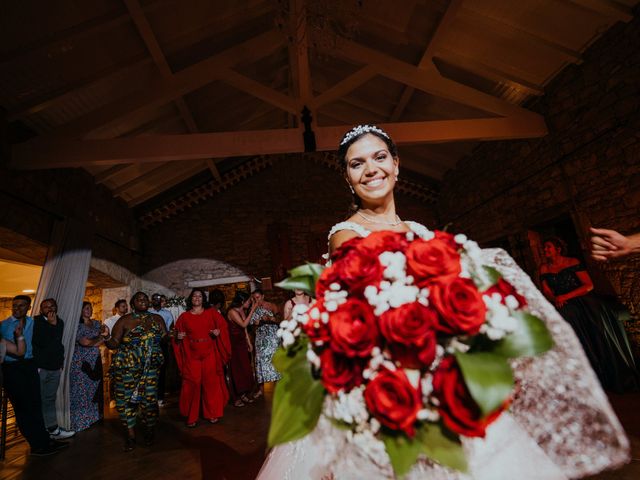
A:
(213, 420)
(191, 425)
(239, 403)
(246, 399)
(257, 395)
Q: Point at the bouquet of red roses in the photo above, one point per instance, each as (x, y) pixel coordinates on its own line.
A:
(407, 344)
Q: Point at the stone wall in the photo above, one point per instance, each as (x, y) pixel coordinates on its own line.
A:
(279, 216)
(586, 169)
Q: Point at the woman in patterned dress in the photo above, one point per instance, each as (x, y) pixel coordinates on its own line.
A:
(85, 389)
(135, 367)
(263, 315)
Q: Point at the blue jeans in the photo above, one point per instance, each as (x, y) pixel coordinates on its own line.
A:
(49, 381)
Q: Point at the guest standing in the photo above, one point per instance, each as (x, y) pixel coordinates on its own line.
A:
(242, 379)
(567, 284)
(202, 347)
(48, 354)
(263, 314)
(120, 308)
(299, 298)
(85, 386)
(135, 367)
(167, 317)
(21, 381)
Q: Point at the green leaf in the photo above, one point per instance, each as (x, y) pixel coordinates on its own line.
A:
(297, 400)
(531, 337)
(402, 450)
(309, 269)
(493, 276)
(442, 446)
(437, 443)
(305, 282)
(488, 377)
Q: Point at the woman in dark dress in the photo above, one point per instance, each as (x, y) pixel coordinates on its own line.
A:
(567, 284)
(242, 380)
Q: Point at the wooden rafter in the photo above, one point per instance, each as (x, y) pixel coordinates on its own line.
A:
(444, 26)
(166, 90)
(479, 67)
(55, 153)
(430, 81)
(150, 40)
(136, 198)
(299, 52)
(343, 87)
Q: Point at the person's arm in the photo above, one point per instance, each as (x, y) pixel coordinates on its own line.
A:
(160, 321)
(546, 290)
(254, 306)
(586, 287)
(113, 341)
(20, 346)
(238, 319)
(288, 309)
(95, 341)
(608, 244)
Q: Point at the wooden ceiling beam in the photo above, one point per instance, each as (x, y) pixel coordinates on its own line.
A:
(430, 81)
(443, 28)
(150, 40)
(258, 90)
(166, 90)
(608, 8)
(482, 69)
(300, 52)
(179, 177)
(344, 86)
(60, 153)
(110, 172)
(149, 173)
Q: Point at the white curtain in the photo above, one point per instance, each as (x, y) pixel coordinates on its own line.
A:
(64, 277)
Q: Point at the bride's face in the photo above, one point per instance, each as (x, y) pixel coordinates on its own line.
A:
(371, 170)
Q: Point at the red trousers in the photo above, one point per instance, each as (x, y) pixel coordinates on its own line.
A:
(202, 383)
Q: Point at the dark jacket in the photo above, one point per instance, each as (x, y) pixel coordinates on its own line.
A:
(48, 351)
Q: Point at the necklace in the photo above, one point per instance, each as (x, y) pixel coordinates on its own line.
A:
(370, 220)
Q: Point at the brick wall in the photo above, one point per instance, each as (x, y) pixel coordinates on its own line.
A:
(587, 167)
(228, 235)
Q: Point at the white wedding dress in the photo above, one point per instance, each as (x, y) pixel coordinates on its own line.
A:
(559, 426)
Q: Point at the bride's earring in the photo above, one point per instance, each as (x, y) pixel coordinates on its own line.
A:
(353, 192)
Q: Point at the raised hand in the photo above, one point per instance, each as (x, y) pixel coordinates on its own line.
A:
(180, 335)
(215, 332)
(18, 330)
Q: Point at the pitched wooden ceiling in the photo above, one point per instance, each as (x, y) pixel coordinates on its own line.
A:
(145, 94)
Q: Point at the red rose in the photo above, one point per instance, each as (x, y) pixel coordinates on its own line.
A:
(432, 258)
(459, 412)
(385, 241)
(459, 305)
(410, 333)
(354, 267)
(505, 289)
(339, 372)
(353, 327)
(393, 401)
(447, 238)
(316, 329)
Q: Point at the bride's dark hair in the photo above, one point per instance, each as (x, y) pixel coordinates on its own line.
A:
(352, 136)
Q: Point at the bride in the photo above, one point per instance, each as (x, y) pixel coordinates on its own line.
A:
(560, 424)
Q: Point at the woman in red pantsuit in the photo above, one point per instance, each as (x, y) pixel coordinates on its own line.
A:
(202, 347)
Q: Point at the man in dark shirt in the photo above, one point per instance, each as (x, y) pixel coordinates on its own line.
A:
(48, 353)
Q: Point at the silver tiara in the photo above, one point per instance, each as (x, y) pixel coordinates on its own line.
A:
(359, 130)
